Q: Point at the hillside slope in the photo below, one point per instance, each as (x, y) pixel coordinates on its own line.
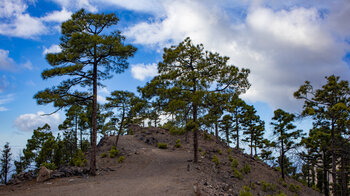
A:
(148, 170)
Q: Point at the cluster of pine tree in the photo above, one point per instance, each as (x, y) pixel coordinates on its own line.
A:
(199, 90)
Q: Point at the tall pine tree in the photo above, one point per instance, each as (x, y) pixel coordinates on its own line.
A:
(90, 53)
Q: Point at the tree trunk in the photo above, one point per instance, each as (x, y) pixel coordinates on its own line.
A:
(237, 131)
(325, 180)
(76, 132)
(344, 186)
(334, 159)
(227, 137)
(94, 122)
(195, 135)
(120, 127)
(282, 156)
(251, 143)
(216, 131)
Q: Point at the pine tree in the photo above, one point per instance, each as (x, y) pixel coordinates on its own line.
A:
(86, 49)
(226, 127)
(330, 104)
(284, 129)
(5, 162)
(188, 73)
(237, 107)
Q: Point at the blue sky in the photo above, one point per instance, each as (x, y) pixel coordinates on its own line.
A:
(284, 43)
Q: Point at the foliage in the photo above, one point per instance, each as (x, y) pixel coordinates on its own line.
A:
(104, 155)
(294, 188)
(90, 53)
(220, 152)
(284, 129)
(79, 159)
(245, 191)
(266, 187)
(237, 174)
(206, 136)
(121, 159)
(203, 153)
(178, 143)
(113, 152)
(186, 74)
(5, 162)
(51, 166)
(245, 169)
(234, 163)
(162, 145)
(216, 160)
(230, 158)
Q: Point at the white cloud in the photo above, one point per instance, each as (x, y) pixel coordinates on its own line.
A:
(24, 26)
(4, 100)
(29, 122)
(282, 46)
(57, 16)
(70, 5)
(6, 63)
(52, 49)
(3, 83)
(27, 65)
(142, 71)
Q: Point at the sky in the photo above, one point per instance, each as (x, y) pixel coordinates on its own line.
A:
(283, 43)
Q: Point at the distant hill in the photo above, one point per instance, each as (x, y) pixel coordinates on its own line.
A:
(150, 170)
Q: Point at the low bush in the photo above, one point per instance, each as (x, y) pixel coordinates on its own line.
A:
(246, 169)
(234, 163)
(216, 160)
(245, 191)
(51, 166)
(230, 158)
(121, 159)
(104, 155)
(162, 145)
(79, 159)
(294, 188)
(178, 144)
(265, 186)
(237, 174)
(229, 150)
(113, 152)
(203, 153)
(206, 136)
(220, 152)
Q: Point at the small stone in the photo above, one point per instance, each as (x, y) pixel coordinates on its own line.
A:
(44, 174)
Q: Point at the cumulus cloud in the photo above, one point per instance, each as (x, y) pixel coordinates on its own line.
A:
(142, 71)
(282, 46)
(52, 49)
(15, 22)
(29, 122)
(68, 4)
(57, 16)
(6, 63)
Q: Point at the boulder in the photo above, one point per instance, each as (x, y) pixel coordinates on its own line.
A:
(44, 174)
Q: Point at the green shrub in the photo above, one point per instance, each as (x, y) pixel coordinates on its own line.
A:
(246, 169)
(267, 186)
(245, 191)
(234, 163)
(294, 188)
(79, 159)
(216, 160)
(229, 150)
(230, 158)
(162, 145)
(281, 194)
(177, 131)
(113, 152)
(131, 132)
(121, 159)
(206, 136)
(178, 144)
(199, 149)
(237, 174)
(314, 187)
(220, 152)
(51, 166)
(203, 153)
(104, 155)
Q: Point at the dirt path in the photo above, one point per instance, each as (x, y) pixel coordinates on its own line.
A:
(150, 171)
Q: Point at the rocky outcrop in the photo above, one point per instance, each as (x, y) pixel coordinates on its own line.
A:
(44, 174)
